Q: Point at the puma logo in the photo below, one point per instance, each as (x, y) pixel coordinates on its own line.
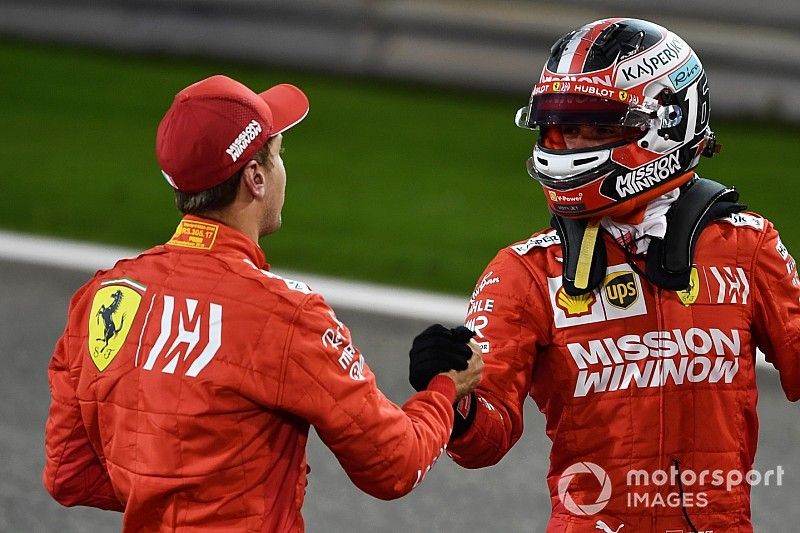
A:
(602, 526)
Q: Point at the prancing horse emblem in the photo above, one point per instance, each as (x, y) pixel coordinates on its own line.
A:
(110, 330)
(113, 312)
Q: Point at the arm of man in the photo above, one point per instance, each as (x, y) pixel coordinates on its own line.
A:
(508, 325)
(73, 472)
(777, 309)
(386, 450)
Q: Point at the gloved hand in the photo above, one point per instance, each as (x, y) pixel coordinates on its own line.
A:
(437, 350)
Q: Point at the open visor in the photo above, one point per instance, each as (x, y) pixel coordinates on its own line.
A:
(567, 108)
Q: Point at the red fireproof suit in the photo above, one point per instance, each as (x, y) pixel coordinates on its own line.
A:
(634, 378)
(185, 383)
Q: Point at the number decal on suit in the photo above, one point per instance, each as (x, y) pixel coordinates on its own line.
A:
(193, 326)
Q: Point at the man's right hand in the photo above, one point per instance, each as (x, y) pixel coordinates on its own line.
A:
(439, 350)
(466, 380)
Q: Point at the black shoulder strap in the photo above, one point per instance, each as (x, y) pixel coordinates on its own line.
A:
(669, 260)
(571, 233)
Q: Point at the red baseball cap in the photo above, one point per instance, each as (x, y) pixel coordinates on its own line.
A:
(214, 127)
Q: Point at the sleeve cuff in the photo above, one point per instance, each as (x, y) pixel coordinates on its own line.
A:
(443, 385)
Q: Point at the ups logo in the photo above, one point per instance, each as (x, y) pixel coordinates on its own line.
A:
(621, 290)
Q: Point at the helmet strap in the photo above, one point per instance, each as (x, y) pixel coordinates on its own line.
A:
(588, 244)
(589, 252)
(669, 260)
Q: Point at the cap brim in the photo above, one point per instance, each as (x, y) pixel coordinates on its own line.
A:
(289, 105)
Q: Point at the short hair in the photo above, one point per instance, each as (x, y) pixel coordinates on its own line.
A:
(218, 196)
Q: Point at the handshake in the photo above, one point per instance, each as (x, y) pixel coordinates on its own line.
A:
(451, 352)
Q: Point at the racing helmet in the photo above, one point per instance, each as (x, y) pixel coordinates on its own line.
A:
(632, 77)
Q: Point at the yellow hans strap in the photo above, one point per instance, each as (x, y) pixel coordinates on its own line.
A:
(585, 256)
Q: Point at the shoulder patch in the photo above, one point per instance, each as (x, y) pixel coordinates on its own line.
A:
(298, 286)
(543, 240)
(745, 219)
(114, 308)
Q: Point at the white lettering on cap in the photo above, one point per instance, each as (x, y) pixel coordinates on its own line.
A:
(243, 140)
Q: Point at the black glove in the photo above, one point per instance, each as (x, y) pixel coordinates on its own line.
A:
(437, 350)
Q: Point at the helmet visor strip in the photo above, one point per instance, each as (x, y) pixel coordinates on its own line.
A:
(585, 103)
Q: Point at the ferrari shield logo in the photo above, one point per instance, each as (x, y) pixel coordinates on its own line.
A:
(113, 310)
(689, 296)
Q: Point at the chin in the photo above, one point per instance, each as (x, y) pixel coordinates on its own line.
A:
(271, 226)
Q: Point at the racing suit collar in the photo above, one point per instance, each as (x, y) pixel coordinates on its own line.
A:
(636, 237)
(209, 235)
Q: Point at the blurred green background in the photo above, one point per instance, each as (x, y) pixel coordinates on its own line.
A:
(398, 184)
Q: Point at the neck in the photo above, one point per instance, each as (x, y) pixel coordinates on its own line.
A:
(238, 220)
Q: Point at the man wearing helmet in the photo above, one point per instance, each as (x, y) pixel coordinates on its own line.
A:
(633, 323)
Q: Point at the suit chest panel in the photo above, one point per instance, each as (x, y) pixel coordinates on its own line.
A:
(629, 333)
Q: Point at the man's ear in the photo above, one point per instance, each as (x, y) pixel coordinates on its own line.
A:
(254, 179)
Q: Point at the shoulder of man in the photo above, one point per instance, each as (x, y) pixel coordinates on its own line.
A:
(241, 281)
(747, 220)
(516, 265)
(540, 241)
(538, 254)
(747, 228)
(290, 291)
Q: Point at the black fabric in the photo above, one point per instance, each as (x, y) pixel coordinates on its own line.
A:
(436, 350)
(571, 233)
(669, 260)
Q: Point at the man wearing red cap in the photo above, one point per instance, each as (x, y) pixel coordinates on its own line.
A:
(186, 379)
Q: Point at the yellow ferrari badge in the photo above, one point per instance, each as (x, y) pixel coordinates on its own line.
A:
(689, 296)
(113, 310)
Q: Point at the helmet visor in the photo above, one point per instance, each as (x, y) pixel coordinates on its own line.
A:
(565, 108)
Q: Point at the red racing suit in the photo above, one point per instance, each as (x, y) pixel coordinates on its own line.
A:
(185, 383)
(635, 381)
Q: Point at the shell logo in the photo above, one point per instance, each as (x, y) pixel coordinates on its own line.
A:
(575, 305)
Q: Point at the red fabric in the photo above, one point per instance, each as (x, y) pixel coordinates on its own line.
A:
(708, 423)
(224, 449)
(443, 385)
(215, 126)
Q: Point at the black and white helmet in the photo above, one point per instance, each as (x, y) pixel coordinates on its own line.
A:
(618, 72)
